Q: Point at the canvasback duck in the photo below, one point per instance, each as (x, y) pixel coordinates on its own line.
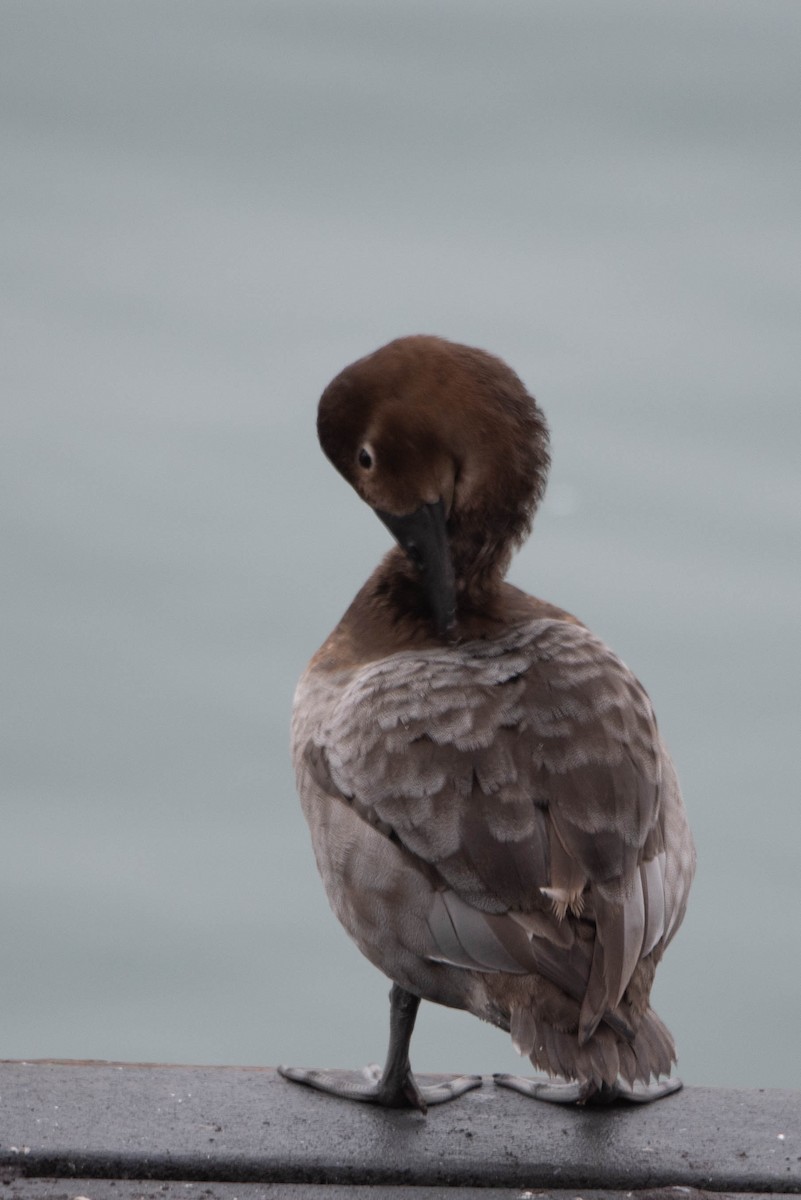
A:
(495, 817)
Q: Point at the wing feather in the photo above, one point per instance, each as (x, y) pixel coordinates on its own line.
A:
(527, 773)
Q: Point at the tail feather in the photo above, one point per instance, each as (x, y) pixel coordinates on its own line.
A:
(628, 1063)
(603, 1058)
(523, 1029)
(654, 1047)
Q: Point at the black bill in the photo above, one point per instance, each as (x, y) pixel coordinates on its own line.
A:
(423, 536)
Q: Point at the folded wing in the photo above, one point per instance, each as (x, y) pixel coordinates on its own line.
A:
(528, 775)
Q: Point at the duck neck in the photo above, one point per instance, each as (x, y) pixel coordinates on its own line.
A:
(398, 587)
(480, 561)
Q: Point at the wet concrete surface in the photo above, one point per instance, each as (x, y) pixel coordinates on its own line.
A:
(140, 1130)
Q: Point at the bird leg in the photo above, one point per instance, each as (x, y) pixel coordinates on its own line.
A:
(395, 1086)
(587, 1093)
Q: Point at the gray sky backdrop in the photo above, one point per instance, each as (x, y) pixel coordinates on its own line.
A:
(207, 210)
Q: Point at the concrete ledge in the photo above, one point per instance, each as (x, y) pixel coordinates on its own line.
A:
(125, 1130)
(104, 1189)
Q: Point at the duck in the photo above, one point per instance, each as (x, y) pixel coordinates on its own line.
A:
(494, 814)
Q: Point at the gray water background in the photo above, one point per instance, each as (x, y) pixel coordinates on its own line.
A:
(207, 210)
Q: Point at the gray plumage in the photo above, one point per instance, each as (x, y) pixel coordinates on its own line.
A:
(501, 806)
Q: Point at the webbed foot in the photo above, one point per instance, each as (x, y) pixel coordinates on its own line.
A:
(395, 1086)
(571, 1092)
(389, 1090)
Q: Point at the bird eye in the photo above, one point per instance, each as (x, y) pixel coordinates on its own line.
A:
(365, 458)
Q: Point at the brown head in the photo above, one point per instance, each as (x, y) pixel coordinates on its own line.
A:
(447, 447)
